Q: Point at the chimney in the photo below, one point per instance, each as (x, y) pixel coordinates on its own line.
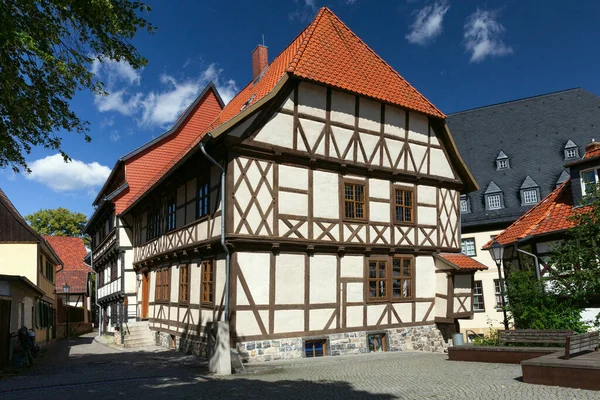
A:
(592, 149)
(260, 60)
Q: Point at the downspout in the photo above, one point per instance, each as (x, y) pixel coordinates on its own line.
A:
(227, 255)
(95, 290)
(535, 259)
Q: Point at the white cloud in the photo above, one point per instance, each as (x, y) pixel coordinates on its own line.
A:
(428, 23)
(305, 9)
(483, 36)
(113, 72)
(53, 172)
(114, 136)
(163, 106)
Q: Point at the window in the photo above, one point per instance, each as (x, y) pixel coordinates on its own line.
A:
(41, 264)
(153, 226)
(171, 214)
(49, 272)
(162, 286)
(571, 153)
(478, 297)
(498, 292)
(464, 205)
(404, 206)
(571, 150)
(588, 178)
(381, 279)
(113, 270)
(203, 198)
(184, 283)
(468, 247)
(208, 282)
(315, 348)
(376, 342)
(354, 200)
(502, 164)
(530, 196)
(494, 201)
(101, 278)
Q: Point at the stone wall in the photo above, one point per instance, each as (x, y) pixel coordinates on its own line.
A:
(183, 344)
(420, 338)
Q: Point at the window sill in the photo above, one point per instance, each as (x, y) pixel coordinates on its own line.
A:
(355, 221)
(399, 223)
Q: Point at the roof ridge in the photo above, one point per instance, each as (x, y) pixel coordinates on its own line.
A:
(517, 100)
(310, 29)
(385, 64)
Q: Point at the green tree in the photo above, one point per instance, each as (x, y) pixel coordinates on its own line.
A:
(58, 222)
(46, 50)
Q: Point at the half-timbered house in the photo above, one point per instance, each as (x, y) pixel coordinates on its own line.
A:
(339, 229)
(112, 251)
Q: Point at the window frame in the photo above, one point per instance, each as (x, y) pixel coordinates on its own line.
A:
(203, 196)
(596, 176)
(354, 183)
(464, 200)
(171, 222)
(524, 193)
(502, 163)
(474, 246)
(153, 225)
(482, 302)
(498, 294)
(204, 283)
(487, 201)
(184, 287)
(395, 205)
(574, 155)
(114, 270)
(390, 278)
(162, 292)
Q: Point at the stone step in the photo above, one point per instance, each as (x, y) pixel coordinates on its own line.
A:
(139, 337)
(140, 343)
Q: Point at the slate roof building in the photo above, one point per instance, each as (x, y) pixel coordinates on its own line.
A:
(519, 152)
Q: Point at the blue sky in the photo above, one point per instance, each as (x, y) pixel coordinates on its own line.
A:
(459, 53)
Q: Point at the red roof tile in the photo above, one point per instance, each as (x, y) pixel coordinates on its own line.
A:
(327, 52)
(549, 215)
(71, 251)
(463, 262)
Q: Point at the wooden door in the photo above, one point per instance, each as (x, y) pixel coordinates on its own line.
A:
(4, 332)
(145, 295)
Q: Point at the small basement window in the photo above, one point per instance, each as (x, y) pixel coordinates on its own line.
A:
(377, 342)
(315, 348)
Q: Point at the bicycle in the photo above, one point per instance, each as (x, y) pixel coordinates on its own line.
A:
(25, 344)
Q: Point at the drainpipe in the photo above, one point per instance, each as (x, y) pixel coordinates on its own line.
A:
(535, 259)
(227, 255)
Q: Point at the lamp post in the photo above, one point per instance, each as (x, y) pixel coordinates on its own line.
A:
(497, 252)
(66, 289)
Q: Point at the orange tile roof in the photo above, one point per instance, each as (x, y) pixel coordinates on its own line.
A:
(549, 215)
(327, 52)
(71, 251)
(463, 262)
(592, 153)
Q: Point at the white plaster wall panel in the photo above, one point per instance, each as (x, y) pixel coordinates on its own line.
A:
(334, 231)
(323, 281)
(404, 311)
(369, 116)
(288, 103)
(419, 156)
(216, 226)
(293, 177)
(312, 99)
(202, 230)
(359, 230)
(374, 313)
(421, 311)
(194, 283)
(254, 220)
(312, 131)
(441, 306)
(427, 215)
(433, 137)
(354, 316)
(404, 235)
(245, 323)
(289, 321)
(384, 238)
(341, 140)
(220, 278)
(325, 195)
(242, 299)
(343, 107)
(425, 276)
(174, 284)
(395, 121)
(439, 164)
(352, 266)
(195, 316)
(369, 143)
(379, 212)
(394, 148)
(418, 127)
(293, 203)
(355, 177)
(462, 284)
(319, 318)
(379, 188)
(207, 317)
(427, 194)
(130, 282)
(278, 131)
(289, 279)
(255, 267)
(172, 313)
(354, 292)
(302, 230)
(240, 129)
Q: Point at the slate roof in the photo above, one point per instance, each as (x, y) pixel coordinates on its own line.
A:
(548, 216)
(533, 133)
(72, 251)
(462, 262)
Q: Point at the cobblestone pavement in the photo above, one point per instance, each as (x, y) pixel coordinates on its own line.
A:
(85, 369)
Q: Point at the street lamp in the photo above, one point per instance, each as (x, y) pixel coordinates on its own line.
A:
(497, 252)
(66, 289)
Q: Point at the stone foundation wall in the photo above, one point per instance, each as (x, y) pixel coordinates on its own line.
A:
(420, 338)
(183, 344)
(117, 337)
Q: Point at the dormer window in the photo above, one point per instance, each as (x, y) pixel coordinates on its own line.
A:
(571, 150)
(530, 192)
(588, 179)
(564, 176)
(502, 161)
(494, 199)
(464, 204)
